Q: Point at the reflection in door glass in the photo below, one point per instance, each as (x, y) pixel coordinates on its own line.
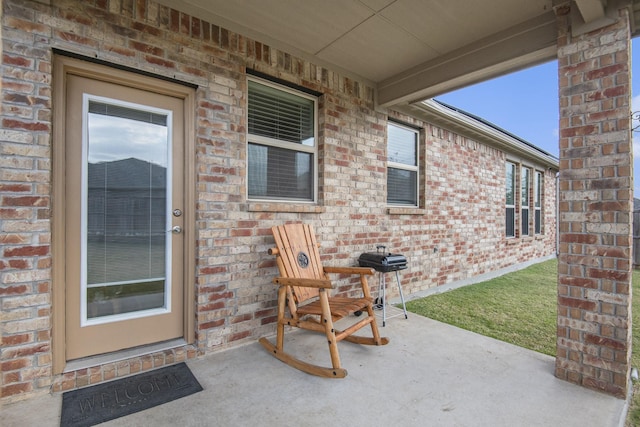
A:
(126, 222)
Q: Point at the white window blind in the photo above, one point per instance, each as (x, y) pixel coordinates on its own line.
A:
(510, 207)
(537, 190)
(282, 147)
(402, 170)
(525, 199)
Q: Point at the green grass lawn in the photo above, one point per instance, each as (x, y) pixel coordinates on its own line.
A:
(519, 308)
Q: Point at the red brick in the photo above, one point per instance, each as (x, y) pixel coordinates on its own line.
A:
(10, 340)
(34, 201)
(26, 350)
(608, 274)
(579, 238)
(211, 307)
(605, 342)
(145, 48)
(219, 296)
(14, 365)
(15, 188)
(27, 251)
(578, 131)
(211, 325)
(581, 282)
(11, 378)
(577, 303)
(26, 26)
(213, 270)
(20, 264)
(77, 39)
(605, 71)
(14, 290)
(15, 213)
(32, 126)
(159, 61)
(14, 389)
(239, 336)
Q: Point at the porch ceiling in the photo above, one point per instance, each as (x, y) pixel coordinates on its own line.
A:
(409, 49)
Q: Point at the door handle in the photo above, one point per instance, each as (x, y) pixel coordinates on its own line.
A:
(175, 230)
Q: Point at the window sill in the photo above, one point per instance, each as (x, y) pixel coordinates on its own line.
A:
(405, 211)
(283, 207)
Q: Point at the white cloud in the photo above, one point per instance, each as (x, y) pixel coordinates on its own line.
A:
(115, 138)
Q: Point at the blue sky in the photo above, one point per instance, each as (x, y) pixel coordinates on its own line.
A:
(526, 104)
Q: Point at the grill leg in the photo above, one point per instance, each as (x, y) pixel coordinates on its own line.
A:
(382, 297)
(404, 307)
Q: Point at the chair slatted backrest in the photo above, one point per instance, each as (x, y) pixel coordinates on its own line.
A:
(298, 256)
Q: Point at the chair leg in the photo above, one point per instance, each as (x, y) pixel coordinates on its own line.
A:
(374, 328)
(329, 329)
(282, 298)
(278, 350)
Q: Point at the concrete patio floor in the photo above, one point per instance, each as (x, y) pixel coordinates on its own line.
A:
(430, 374)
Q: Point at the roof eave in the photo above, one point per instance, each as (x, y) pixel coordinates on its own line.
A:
(438, 114)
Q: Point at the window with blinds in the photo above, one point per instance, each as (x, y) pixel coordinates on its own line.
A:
(402, 165)
(537, 192)
(282, 143)
(525, 176)
(510, 206)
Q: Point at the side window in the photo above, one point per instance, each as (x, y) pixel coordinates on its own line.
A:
(525, 179)
(510, 206)
(282, 143)
(402, 165)
(537, 194)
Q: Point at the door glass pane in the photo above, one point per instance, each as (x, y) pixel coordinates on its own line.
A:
(125, 210)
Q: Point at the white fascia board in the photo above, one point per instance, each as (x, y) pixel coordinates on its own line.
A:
(590, 9)
(436, 113)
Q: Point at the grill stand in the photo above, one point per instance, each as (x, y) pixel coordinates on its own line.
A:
(382, 292)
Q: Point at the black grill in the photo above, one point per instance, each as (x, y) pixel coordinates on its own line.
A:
(383, 261)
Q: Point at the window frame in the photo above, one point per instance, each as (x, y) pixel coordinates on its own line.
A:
(538, 188)
(286, 145)
(402, 166)
(512, 206)
(525, 201)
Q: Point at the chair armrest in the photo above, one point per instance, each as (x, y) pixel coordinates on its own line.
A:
(350, 270)
(307, 283)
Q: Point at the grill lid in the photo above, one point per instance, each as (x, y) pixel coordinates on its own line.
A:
(382, 261)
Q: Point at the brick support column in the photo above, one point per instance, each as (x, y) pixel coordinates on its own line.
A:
(595, 205)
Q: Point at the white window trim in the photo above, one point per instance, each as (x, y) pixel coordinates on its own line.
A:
(538, 188)
(410, 168)
(262, 140)
(527, 206)
(512, 206)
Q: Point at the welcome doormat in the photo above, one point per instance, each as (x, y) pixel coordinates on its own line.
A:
(103, 402)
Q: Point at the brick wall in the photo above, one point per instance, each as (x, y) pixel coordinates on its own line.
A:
(457, 233)
(596, 192)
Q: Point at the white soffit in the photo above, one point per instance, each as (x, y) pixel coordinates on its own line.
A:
(374, 40)
(405, 48)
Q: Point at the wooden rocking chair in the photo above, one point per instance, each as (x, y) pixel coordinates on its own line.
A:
(304, 287)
